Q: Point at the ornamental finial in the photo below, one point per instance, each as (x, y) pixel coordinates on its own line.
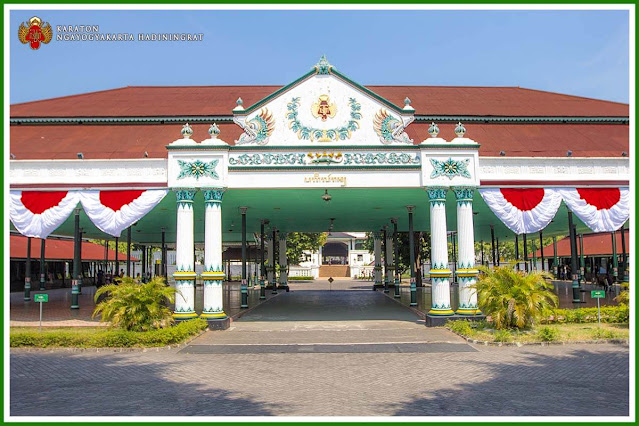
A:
(214, 131)
(187, 131)
(460, 130)
(323, 67)
(239, 105)
(407, 101)
(433, 130)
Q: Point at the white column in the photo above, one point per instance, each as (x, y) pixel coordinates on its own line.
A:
(184, 274)
(377, 248)
(213, 274)
(439, 272)
(269, 257)
(466, 271)
(283, 261)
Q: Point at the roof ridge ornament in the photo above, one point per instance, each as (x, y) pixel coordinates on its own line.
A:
(323, 67)
(460, 130)
(239, 105)
(407, 105)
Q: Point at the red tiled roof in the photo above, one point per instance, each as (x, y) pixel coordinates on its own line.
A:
(219, 100)
(594, 245)
(59, 250)
(131, 141)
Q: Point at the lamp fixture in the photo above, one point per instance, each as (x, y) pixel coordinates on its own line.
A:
(13, 156)
(623, 154)
(569, 153)
(502, 153)
(327, 197)
(80, 156)
(146, 154)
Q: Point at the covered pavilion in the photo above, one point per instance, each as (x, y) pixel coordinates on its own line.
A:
(322, 151)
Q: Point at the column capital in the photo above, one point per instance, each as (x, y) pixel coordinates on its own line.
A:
(243, 210)
(410, 209)
(282, 236)
(377, 235)
(185, 194)
(464, 194)
(437, 194)
(213, 195)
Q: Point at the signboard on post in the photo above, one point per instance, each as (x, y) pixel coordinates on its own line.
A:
(41, 298)
(598, 294)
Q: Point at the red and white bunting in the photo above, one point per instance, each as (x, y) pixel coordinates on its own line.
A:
(114, 211)
(602, 209)
(38, 213)
(523, 210)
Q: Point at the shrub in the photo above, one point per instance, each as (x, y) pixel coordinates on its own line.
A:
(548, 334)
(609, 314)
(502, 336)
(130, 305)
(300, 278)
(514, 299)
(601, 334)
(624, 297)
(460, 327)
(108, 338)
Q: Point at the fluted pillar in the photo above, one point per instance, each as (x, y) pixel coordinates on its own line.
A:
(283, 261)
(466, 271)
(213, 274)
(439, 272)
(377, 249)
(184, 274)
(273, 274)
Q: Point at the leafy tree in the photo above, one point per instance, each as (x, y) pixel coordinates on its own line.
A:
(514, 299)
(299, 242)
(422, 251)
(130, 305)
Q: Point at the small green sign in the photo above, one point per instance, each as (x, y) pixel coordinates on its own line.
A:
(42, 297)
(598, 294)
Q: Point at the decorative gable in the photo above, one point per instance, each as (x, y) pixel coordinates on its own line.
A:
(326, 108)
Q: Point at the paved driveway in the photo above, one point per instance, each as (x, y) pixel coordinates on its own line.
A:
(298, 363)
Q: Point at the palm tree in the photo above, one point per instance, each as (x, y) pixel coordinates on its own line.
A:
(514, 299)
(133, 306)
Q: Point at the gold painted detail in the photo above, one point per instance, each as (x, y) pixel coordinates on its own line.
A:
(325, 157)
(323, 108)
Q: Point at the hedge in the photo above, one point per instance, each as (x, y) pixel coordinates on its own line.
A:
(609, 314)
(109, 338)
(300, 278)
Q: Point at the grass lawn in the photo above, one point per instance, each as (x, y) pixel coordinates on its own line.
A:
(542, 333)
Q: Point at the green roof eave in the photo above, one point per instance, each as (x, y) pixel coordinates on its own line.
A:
(371, 93)
(313, 72)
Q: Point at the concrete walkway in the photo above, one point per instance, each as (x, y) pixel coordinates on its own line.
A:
(310, 315)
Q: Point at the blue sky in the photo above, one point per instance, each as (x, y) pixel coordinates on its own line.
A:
(582, 53)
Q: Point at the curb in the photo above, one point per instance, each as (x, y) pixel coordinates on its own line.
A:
(149, 349)
(416, 311)
(520, 344)
(245, 311)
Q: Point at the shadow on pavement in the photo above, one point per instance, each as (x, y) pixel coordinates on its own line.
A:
(535, 387)
(116, 385)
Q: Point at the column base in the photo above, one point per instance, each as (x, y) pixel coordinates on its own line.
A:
(184, 316)
(217, 323)
(441, 312)
(468, 311)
